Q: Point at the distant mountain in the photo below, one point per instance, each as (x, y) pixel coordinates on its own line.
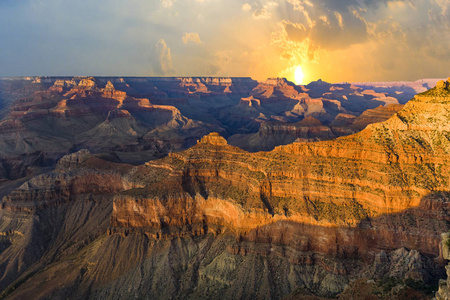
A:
(418, 86)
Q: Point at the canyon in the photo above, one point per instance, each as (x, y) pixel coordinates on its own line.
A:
(222, 188)
(139, 119)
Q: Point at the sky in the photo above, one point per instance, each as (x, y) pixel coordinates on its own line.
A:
(332, 40)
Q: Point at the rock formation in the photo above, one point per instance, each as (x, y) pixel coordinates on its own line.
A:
(145, 118)
(217, 222)
(444, 292)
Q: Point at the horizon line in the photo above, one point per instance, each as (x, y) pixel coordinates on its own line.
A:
(33, 77)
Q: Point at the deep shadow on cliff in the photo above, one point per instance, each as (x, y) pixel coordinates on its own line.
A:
(65, 252)
(44, 118)
(416, 228)
(217, 222)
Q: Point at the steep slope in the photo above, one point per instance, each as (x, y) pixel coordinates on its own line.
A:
(216, 222)
(272, 134)
(444, 292)
(276, 107)
(143, 118)
(76, 113)
(397, 167)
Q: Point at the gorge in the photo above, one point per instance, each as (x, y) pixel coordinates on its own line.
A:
(221, 188)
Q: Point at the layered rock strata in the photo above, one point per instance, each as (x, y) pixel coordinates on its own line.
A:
(369, 181)
(215, 221)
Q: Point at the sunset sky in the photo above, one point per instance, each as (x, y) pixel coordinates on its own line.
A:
(335, 40)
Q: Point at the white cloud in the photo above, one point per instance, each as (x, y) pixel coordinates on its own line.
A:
(167, 3)
(191, 37)
(246, 7)
(339, 18)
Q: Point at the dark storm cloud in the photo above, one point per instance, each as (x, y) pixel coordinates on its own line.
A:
(330, 31)
(397, 33)
(332, 24)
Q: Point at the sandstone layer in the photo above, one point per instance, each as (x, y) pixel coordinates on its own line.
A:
(217, 222)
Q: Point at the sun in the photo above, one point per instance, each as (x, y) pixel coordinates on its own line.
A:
(299, 75)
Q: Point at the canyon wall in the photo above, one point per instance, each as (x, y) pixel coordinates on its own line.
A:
(215, 221)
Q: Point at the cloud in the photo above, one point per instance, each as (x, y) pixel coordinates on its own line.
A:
(334, 40)
(366, 38)
(327, 29)
(246, 7)
(221, 60)
(261, 13)
(167, 3)
(295, 32)
(191, 37)
(161, 59)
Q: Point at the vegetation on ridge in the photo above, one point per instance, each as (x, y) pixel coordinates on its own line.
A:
(442, 89)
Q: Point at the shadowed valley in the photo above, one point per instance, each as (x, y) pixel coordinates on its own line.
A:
(104, 197)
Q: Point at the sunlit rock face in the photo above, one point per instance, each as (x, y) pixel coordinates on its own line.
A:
(215, 221)
(143, 118)
(387, 168)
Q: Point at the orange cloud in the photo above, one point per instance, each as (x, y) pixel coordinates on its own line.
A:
(191, 37)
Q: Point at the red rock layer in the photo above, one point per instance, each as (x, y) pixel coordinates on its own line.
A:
(362, 188)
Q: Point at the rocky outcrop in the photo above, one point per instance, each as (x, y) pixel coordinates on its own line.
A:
(407, 88)
(376, 115)
(79, 113)
(310, 129)
(217, 222)
(276, 87)
(444, 291)
(72, 110)
(272, 134)
(76, 174)
(364, 185)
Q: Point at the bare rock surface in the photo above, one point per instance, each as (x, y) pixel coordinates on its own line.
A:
(214, 221)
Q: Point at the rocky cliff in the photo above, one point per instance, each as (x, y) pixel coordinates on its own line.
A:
(140, 118)
(310, 129)
(215, 221)
(444, 293)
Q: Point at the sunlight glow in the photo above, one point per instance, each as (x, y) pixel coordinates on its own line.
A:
(299, 75)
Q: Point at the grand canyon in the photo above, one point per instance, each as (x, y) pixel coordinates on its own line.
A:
(223, 188)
